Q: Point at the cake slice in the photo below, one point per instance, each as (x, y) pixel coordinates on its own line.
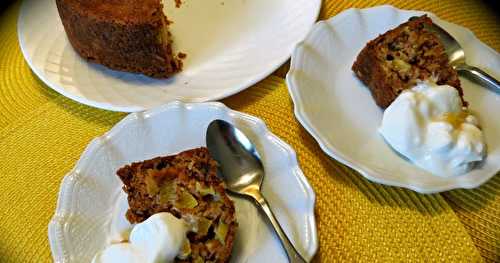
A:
(185, 185)
(399, 58)
(127, 35)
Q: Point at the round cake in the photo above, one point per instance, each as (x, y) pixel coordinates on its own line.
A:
(126, 35)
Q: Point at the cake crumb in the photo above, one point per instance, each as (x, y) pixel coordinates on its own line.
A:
(181, 55)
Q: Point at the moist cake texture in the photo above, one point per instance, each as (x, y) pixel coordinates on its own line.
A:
(185, 185)
(126, 35)
(399, 58)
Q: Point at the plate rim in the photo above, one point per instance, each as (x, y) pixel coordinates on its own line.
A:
(56, 223)
(368, 173)
(118, 108)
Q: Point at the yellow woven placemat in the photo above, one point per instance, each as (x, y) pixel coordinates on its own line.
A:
(42, 135)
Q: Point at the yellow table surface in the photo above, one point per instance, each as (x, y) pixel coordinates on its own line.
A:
(43, 133)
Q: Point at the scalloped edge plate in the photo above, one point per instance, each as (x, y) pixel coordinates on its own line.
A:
(338, 111)
(90, 197)
(253, 38)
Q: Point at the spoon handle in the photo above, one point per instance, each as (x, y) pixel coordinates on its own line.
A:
(293, 255)
(480, 75)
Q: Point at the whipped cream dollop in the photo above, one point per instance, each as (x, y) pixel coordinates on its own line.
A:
(157, 239)
(429, 125)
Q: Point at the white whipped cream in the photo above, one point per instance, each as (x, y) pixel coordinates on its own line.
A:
(428, 125)
(156, 240)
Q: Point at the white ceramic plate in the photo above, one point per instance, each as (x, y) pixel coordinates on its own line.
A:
(339, 112)
(231, 44)
(91, 204)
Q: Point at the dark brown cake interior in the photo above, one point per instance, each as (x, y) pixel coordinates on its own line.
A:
(186, 186)
(399, 58)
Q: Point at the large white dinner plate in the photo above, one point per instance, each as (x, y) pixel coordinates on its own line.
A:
(231, 44)
(92, 205)
(339, 112)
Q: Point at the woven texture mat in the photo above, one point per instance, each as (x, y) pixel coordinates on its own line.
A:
(42, 135)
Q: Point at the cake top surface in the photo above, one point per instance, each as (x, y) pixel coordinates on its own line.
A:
(125, 11)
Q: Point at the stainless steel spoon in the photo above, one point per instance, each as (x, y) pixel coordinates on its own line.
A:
(242, 170)
(456, 56)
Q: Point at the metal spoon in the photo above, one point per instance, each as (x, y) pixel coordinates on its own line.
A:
(242, 170)
(456, 55)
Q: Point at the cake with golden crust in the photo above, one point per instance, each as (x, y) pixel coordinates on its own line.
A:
(399, 58)
(126, 35)
(185, 185)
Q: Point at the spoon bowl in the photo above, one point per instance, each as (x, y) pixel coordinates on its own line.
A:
(239, 162)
